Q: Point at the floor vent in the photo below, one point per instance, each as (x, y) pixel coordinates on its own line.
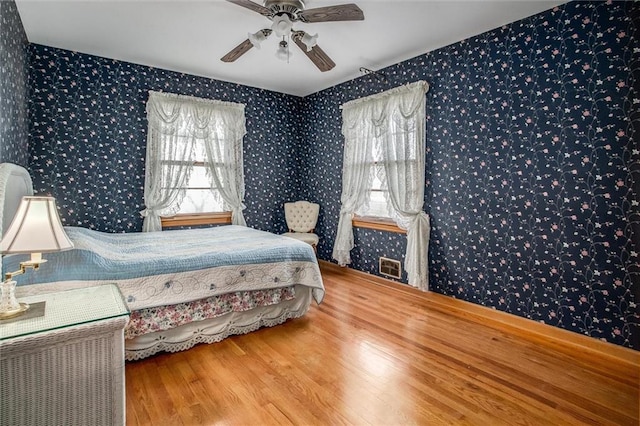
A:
(390, 267)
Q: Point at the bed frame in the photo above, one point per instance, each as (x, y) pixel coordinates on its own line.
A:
(15, 183)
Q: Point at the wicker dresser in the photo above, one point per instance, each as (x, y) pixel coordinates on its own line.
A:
(66, 367)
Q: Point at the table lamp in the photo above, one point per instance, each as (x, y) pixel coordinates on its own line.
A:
(35, 229)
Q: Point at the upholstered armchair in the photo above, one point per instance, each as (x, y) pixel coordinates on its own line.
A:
(302, 217)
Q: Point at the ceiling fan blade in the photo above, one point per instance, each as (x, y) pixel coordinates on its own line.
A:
(317, 55)
(342, 12)
(237, 51)
(252, 6)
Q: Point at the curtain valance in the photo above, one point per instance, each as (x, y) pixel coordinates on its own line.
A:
(415, 87)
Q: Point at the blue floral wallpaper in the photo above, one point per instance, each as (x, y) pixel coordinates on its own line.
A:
(13, 87)
(532, 161)
(88, 137)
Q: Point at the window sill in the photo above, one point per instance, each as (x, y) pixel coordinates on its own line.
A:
(196, 219)
(377, 223)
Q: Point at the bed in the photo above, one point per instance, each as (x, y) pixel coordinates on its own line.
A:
(183, 287)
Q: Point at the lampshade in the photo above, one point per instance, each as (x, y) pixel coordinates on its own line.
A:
(36, 227)
(309, 41)
(257, 38)
(283, 52)
(281, 25)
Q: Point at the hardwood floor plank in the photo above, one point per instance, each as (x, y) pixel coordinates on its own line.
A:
(373, 354)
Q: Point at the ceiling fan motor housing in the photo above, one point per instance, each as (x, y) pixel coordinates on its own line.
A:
(290, 7)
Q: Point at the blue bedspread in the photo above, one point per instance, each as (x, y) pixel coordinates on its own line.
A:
(229, 257)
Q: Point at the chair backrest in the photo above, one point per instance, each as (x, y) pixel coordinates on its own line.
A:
(301, 216)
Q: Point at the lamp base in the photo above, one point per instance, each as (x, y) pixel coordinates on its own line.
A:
(9, 306)
(12, 313)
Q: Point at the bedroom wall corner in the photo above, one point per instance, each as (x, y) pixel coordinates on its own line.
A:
(14, 140)
(296, 162)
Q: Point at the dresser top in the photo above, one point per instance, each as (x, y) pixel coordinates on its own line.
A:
(68, 308)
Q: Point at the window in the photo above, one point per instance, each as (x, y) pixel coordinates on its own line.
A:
(376, 213)
(384, 158)
(199, 195)
(194, 173)
(202, 203)
(377, 204)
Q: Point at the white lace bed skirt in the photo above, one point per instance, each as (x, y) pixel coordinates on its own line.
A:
(217, 329)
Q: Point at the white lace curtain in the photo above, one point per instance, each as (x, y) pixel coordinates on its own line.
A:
(175, 124)
(392, 124)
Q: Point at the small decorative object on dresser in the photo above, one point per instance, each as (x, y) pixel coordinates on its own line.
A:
(66, 367)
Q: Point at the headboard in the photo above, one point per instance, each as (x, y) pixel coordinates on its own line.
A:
(15, 183)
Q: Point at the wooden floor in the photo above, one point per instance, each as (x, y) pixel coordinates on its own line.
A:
(376, 355)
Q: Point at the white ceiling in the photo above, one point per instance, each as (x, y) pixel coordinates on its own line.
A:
(191, 36)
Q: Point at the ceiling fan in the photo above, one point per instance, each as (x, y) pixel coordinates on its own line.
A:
(283, 14)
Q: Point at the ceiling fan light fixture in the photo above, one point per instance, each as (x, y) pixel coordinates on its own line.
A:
(257, 38)
(283, 53)
(309, 41)
(282, 25)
